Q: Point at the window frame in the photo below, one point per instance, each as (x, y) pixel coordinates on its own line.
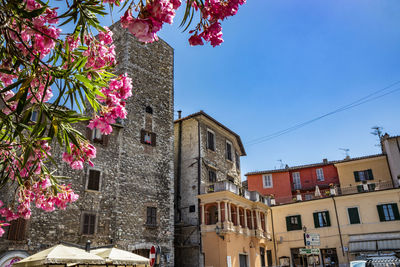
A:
(327, 217)
(17, 230)
(208, 141)
(153, 219)
(89, 213)
(320, 175)
(395, 211)
(88, 177)
(293, 227)
(266, 185)
(215, 176)
(228, 153)
(358, 214)
(237, 160)
(294, 184)
(153, 138)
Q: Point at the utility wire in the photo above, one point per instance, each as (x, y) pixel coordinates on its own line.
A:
(370, 97)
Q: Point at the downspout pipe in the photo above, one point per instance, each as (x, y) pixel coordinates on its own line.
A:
(199, 162)
(337, 221)
(273, 237)
(178, 172)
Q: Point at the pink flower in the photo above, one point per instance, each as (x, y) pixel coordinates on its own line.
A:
(141, 29)
(195, 40)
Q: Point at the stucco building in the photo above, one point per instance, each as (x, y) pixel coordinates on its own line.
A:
(391, 147)
(349, 227)
(126, 199)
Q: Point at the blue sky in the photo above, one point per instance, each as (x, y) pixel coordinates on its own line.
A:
(284, 62)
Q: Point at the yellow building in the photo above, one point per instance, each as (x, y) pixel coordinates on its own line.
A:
(364, 174)
(348, 226)
(235, 228)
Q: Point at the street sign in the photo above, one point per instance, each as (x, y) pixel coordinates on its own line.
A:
(152, 255)
(312, 239)
(309, 251)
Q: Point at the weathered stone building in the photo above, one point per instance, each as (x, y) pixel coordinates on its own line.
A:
(127, 198)
(206, 152)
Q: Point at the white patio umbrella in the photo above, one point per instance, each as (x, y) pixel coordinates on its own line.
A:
(117, 256)
(61, 255)
(317, 193)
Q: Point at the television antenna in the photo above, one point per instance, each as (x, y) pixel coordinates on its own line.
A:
(346, 151)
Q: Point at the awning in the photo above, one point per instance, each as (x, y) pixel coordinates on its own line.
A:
(374, 242)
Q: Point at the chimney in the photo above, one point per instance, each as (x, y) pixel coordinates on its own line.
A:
(325, 161)
(179, 114)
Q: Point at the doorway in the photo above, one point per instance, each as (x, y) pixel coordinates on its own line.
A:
(243, 260)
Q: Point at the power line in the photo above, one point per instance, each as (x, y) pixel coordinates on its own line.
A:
(370, 97)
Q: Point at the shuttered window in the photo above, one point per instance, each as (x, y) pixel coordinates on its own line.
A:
(320, 174)
(96, 137)
(17, 230)
(151, 216)
(354, 217)
(293, 223)
(388, 212)
(321, 219)
(363, 175)
(210, 140)
(89, 224)
(93, 180)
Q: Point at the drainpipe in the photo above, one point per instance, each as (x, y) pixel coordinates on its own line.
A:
(178, 171)
(273, 238)
(198, 188)
(337, 220)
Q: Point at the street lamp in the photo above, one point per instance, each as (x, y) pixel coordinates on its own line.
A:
(218, 232)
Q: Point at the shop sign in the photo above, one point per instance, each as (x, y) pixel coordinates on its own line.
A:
(309, 251)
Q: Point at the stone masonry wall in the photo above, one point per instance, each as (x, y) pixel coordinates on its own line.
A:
(133, 175)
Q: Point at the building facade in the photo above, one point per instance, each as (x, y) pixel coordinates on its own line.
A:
(361, 174)
(349, 227)
(391, 147)
(126, 199)
(206, 152)
(295, 183)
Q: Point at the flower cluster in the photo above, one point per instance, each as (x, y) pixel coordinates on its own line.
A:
(100, 52)
(79, 155)
(113, 104)
(213, 12)
(150, 19)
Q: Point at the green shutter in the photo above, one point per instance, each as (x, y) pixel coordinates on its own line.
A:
(370, 175)
(353, 215)
(396, 211)
(288, 224)
(316, 221)
(300, 226)
(328, 219)
(380, 212)
(360, 188)
(356, 176)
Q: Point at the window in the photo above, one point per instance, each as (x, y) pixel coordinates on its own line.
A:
(363, 175)
(151, 216)
(149, 110)
(230, 179)
(296, 180)
(212, 176)
(388, 212)
(210, 140)
(148, 138)
(320, 174)
(34, 115)
(93, 182)
(321, 219)
(293, 223)
(365, 187)
(89, 224)
(354, 217)
(192, 208)
(267, 181)
(237, 158)
(228, 150)
(17, 230)
(96, 136)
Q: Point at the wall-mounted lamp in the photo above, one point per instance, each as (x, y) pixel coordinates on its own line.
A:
(304, 229)
(218, 231)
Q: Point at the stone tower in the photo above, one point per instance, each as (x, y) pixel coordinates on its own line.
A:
(126, 199)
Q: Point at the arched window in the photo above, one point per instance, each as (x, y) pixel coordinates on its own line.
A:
(149, 110)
